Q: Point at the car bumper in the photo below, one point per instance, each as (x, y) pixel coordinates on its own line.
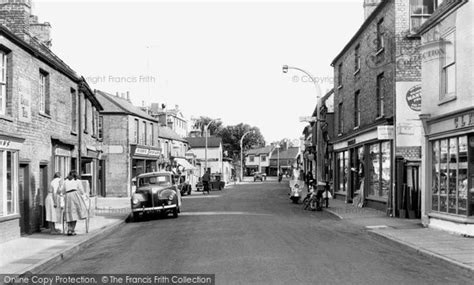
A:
(154, 209)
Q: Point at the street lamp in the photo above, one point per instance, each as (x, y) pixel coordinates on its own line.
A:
(242, 156)
(319, 162)
(205, 152)
(278, 160)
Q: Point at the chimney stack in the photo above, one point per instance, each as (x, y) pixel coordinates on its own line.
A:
(369, 7)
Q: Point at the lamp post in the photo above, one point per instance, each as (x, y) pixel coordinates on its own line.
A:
(278, 160)
(242, 155)
(319, 161)
(205, 151)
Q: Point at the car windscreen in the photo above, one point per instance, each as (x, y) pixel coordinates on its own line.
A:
(158, 180)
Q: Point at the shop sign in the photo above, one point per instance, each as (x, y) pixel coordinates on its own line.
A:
(141, 151)
(465, 120)
(154, 153)
(62, 152)
(385, 132)
(413, 97)
(5, 143)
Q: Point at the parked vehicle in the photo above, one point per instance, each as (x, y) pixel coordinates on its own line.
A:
(183, 186)
(259, 176)
(156, 192)
(216, 182)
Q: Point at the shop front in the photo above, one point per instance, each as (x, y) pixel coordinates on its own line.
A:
(9, 188)
(449, 173)
(363, 170)
(144, 159)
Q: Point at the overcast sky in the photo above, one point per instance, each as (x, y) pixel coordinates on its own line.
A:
(218, 59)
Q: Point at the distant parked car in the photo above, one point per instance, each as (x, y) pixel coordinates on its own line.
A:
(216, 182)
(156, 192)
(259, 176)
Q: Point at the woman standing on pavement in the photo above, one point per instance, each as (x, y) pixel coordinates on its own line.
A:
(75, 208)
(52, 201)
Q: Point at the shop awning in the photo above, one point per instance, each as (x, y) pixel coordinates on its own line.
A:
(184, 163)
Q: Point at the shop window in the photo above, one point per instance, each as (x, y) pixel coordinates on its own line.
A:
(342, 171)
(451, 164)
(3, 82)
(8, 183)
(44, 92)
(379, 170)
(62, 164)
(449, 67)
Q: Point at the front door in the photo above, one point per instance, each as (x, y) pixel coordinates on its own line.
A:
(43, 190)
(24, 195)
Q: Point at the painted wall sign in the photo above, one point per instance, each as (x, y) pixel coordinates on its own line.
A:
(141, 151)
(413, 97)
(154, 153)
(385, 132)
(62, 152)
(465, 120)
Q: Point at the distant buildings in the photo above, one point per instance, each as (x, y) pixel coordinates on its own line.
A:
(172, 118)
(258, 160)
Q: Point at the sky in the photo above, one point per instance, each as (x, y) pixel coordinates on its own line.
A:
(217, 59)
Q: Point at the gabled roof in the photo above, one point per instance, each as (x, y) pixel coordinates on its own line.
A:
(212, 142)
(168, 133)
(118, 105)
(258, 151)
(291, 153)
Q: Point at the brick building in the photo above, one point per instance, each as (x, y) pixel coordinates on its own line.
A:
(48, 121)
(130, 137)
(448, 118)
(377, 103)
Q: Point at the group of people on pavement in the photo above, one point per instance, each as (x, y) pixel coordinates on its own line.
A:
(65, 202)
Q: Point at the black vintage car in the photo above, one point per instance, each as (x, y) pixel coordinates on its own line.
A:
(156, 192)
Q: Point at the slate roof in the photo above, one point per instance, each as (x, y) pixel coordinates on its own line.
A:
(118, 105)
(212, 142)
(258, 151)
(291, 153)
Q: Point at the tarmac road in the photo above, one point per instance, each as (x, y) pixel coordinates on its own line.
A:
(252, 234)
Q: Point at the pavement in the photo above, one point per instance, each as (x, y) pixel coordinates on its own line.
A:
(455, 249)
(41, 251)
(37, 252)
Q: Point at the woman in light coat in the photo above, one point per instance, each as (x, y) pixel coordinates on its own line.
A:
(75, 207)
(53, 212)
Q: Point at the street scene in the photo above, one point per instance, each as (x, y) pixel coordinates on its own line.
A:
(237, 142)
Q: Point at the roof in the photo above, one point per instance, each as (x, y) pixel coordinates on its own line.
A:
(442, 10)
(362, 28)
(168, 133)
(212, 142)
(40, 51)
(258, 151)
(118, 105)
(291, 153)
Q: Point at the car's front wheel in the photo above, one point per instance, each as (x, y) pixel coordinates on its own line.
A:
(175, 212)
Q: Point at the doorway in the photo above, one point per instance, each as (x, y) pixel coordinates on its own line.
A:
(43, 192)
(24, 201)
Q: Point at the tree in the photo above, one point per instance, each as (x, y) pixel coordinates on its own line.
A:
(231, 136)
(214, 128)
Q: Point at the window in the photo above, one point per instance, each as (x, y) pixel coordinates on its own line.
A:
(264, 158)
(73, 110)
(100, 125)
(93, 121)
(342, 171)
(340, 118)
(452, 176)
(357, 58)
(44, 92)
(357, 109)
(152, 135)
(135, 131)
(449, 67)
(251, 158)
(8, 183)
(143, 132)
(3, 83)
(379, 170)
(380, 93)
(85, 114)
(420, 11)
(339, 75)
(380, 35)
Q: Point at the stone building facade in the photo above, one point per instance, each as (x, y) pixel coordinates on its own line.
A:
(41, 121)
(377, 103)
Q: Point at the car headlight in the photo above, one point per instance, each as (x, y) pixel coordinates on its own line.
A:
(171, 197)
(135, 201)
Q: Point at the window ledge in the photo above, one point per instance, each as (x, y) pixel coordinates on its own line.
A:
(381, 50)
(380, 117)
(6, 118)
(356, 128)
(452, 217)
(9, 218)
(447, 99)
(45, 115)
(357, 71)
(74, 133)
(339, 87)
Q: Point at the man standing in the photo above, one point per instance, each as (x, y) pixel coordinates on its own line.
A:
(206, 178)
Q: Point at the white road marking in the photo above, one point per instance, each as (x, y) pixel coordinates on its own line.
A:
(200, 196)
(221, 214)
(377, 227)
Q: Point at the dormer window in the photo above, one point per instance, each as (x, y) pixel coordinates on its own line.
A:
(420, 11)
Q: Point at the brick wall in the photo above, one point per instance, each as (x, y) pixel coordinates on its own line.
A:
(372, 64)
(9, 230)
(15, 14)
